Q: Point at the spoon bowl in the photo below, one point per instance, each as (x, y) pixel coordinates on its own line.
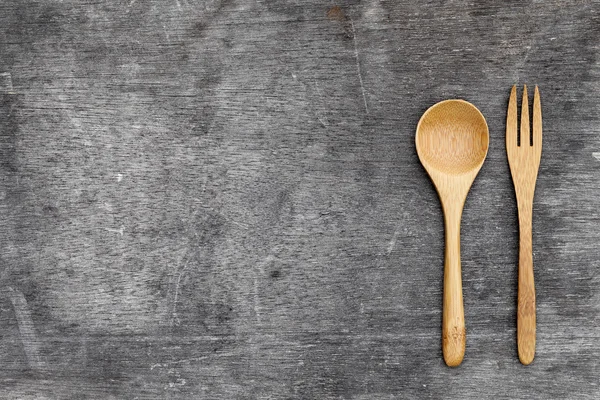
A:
(452, 137)
(452, 141)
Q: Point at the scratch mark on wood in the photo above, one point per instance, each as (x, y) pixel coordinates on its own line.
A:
(392, 242)
(178, 382)
(177, 287)
(185, 361)
(320, 95)
(6, 86)
(176, 298)
(166, 34)
(321, 121)
(596, 155)
(120, 231)
(360, 78)
(31, 343)
(257, 275)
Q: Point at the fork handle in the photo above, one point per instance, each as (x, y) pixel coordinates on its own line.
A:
(453, 318)
(526, 289)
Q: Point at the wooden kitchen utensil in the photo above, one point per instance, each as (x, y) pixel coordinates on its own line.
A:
(524, 159)
(452, 141)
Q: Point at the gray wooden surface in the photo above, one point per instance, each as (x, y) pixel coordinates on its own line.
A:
(222, 199)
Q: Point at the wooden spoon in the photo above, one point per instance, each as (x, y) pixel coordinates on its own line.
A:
(452, 142)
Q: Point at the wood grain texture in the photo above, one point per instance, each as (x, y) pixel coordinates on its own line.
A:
(222, 199)
(452, 141)
(524, 157)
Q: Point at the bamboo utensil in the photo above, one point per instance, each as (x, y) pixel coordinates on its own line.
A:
(452, 140)
(524, 159)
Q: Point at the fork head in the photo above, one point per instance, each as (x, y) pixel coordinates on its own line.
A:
(525, 150)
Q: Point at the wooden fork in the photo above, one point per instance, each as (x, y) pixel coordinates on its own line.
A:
(524, 159)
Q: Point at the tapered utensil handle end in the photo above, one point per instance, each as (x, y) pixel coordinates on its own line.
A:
(453, 344)
(526, 324)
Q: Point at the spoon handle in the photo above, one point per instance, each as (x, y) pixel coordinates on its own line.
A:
(526, 288)
(453, 319)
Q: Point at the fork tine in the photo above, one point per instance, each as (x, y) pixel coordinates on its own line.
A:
(525, 132)
(511, 119)
(537, 119)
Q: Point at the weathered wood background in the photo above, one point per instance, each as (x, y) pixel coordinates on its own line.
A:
(222, 200)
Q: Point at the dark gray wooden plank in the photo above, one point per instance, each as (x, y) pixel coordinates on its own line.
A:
(222, 200)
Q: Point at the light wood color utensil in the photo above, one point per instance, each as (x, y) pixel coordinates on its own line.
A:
(452, 141)
(524, 159)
